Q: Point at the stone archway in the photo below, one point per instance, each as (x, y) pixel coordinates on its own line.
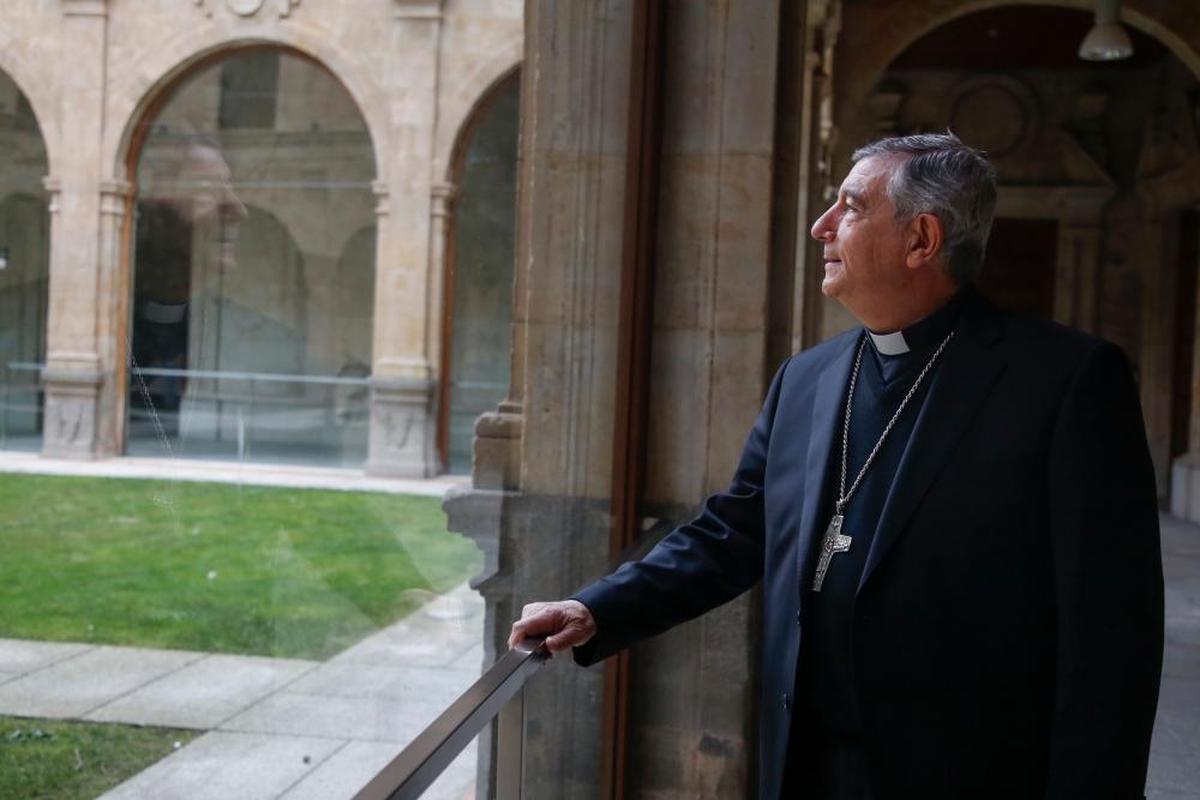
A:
(251, 173)
(478, 270)
(24, 268)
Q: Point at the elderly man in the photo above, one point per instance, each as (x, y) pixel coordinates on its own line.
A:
(953, 514)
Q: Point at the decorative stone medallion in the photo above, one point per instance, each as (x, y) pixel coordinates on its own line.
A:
(245, 8)
(249, 8)
(995, 114)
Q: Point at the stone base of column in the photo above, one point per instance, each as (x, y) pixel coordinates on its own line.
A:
(400, 441)
(71, 412)
(496, 451)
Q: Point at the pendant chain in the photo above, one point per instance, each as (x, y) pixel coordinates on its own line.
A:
(844, 496)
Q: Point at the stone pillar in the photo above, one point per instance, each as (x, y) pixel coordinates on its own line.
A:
(78, 377)
(112, 328)
(552, 437)
(402, 425)
(441, 206)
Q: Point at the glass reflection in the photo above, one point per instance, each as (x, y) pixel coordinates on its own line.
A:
(482, 271)
(24, 270)
(254, 268)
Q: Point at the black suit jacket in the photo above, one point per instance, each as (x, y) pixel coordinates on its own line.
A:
(1008, 624)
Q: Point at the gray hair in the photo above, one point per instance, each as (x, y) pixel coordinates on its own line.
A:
(942, 176)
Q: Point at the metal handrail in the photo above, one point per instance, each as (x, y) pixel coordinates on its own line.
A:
(426, 757)
(496, 693)
(266, 377)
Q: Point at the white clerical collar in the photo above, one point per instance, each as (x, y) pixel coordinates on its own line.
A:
(890, 344)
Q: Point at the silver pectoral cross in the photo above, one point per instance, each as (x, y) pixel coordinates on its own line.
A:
(834, 542)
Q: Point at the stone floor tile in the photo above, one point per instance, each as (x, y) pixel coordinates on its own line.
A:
(229, 766)
(344, 773)
(412, 645)
(72, 688)
(1175, 773)
(404, 684)
(356, 718)
(1180, 661)
(20, 656)
(349, 769)
(204, 693)
(442, 633)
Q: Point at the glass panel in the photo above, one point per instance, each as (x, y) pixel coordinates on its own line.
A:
(290, 636)
(254, 269)
(483, 271)
(24, 270)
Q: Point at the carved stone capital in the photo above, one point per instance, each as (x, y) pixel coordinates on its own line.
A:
(442, 196)
(53, 187)
(114, 195)
(382, 193)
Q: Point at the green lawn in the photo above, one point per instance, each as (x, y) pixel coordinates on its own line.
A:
(43, 760)
(218, 568)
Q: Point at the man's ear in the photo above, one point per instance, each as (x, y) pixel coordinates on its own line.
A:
(925, 239)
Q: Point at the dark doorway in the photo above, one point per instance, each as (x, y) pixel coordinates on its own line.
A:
(1018, 272)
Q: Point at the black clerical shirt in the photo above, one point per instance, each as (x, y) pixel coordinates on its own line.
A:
(826, 676)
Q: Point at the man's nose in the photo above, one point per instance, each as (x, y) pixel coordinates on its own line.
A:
(822, 229)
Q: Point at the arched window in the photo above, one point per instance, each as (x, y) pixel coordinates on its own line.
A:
(24, 270)
(479, 277)
(249, 339)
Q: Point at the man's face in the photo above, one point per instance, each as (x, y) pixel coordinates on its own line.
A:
(215, 209)
(864, 245)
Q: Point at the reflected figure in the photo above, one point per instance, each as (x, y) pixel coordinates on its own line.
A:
(253, 173)
(186, 227)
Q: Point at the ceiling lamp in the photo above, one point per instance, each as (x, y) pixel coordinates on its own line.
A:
(1107, 40)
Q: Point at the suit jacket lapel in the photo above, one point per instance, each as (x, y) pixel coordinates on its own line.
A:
(959, 385)
(830, 394)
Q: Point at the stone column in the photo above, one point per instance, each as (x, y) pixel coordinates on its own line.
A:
(552, 437)
(112, 328)
(400, 440)
(78, 377)
(402, 426)
(441, 206)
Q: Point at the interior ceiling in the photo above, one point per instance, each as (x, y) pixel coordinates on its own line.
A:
(1020, 37)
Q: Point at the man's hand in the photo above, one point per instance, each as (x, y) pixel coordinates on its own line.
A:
(566, 623)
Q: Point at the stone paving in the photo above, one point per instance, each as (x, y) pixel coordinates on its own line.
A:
(1175, 750)
(277, 728)
(250, 474)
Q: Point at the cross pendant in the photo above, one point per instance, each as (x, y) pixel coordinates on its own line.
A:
(834, 542)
